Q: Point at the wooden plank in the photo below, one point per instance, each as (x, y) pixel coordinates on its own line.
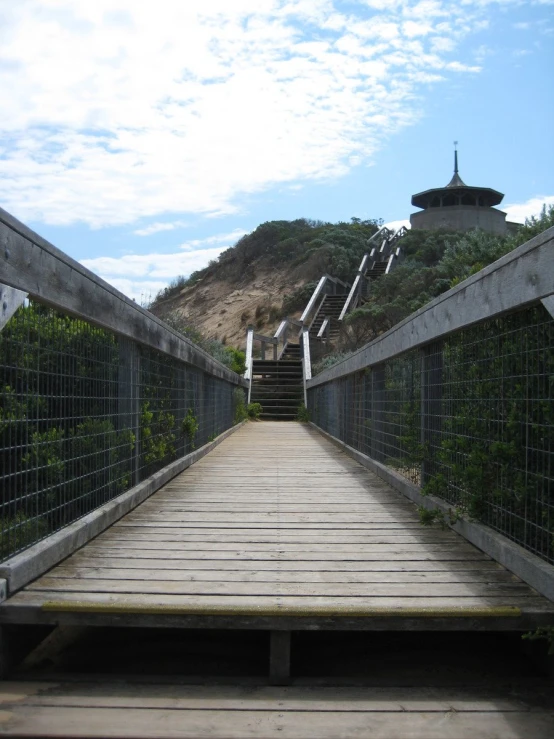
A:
(336, 519)
(279, 588)
(120, 723)
(283, 526)
(84, 559)
(294, 548)
(375, 536)
(242, 554)
(272, 605)
(268, 698)
(282, 575)
(311, 506)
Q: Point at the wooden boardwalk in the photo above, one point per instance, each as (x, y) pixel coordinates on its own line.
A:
(277, 528)
(102, 709)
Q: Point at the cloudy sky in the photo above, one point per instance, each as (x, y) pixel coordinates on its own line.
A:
(143, 137)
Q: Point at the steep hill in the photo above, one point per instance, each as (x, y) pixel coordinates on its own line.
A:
(271, 273)
(266, 275)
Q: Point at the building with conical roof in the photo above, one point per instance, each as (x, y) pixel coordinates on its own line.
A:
(460, 207)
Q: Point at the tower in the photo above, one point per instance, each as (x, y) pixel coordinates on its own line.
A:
(459, 207)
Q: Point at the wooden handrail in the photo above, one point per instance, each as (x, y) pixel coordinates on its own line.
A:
(32, 265)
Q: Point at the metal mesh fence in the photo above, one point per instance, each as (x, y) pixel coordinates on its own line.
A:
(469, 419)
(85, 415)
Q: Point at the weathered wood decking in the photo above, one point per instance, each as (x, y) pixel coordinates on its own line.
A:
(277, 528)
(121, 710)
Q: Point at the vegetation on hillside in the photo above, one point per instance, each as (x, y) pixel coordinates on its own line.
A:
(312, 247)
(234, 359)
(433, 262)
(308, 248)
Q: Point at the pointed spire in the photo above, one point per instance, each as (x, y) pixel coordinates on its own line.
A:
(456, 180)
(455, 157)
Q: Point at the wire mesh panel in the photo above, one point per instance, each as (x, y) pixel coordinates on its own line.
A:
(377, 412)
(469, 419)
(494, 454)
(85, 415)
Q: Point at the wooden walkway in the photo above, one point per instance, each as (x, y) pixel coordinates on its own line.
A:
(277, 528)
(101, 709)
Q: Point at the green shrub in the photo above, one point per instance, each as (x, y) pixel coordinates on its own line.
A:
(156, 435)
(254, 411)
(303, 414)
(239, 403)
(237, 360)
(20, 531)
(190, 427)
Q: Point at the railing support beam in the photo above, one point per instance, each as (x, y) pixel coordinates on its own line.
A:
(10, 300)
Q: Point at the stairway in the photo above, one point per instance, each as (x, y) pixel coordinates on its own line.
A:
(331, 307)
(378, 269)
(277, 385)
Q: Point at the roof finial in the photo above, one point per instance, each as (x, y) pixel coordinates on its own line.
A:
(455, 157)
(456, 180)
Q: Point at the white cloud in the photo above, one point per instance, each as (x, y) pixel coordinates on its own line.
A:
(416, 28)
(518, 212)
(396, 225)
(120, 111)
(147, 266)
(141, 291)
(154, 228)
(140, 275)
(521, 52)
(230, 238)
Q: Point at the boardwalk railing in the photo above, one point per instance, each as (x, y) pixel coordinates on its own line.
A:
(457, 400)
(96, 394)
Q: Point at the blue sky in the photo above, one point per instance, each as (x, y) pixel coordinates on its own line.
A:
(144, 138)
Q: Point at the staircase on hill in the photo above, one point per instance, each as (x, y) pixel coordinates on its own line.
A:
(331, 308)
(277, 384)
(377, 269)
